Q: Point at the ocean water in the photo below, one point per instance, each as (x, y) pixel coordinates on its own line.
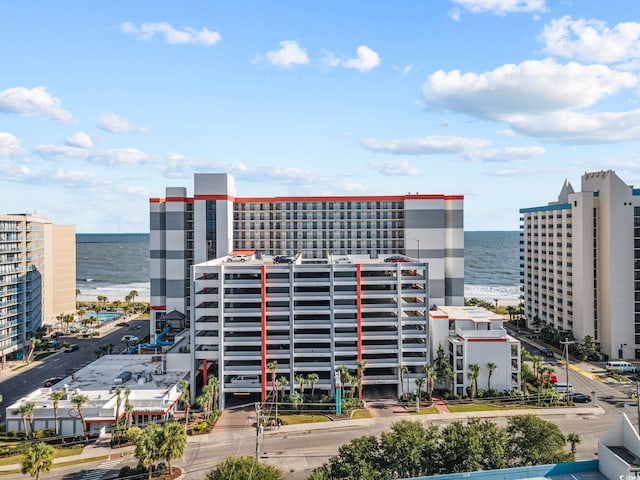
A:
(114, 264)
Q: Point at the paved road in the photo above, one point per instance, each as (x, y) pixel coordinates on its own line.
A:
(16, 384)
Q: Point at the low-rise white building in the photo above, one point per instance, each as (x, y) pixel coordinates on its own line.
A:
(475, 335)
(153, 394)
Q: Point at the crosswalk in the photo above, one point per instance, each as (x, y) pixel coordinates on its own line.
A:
(102, 470)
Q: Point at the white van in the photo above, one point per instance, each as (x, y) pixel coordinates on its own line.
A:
(244, 379)
(562, 387)
(621, 367)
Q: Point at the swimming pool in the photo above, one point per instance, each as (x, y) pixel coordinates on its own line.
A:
(104, 317)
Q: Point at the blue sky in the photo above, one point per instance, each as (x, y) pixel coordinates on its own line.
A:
(104, 104)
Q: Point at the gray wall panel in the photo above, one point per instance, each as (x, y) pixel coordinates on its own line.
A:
(455, 287)
(436, 288)
(157, 287)
(424, 219)
(176, 254)
(156, 221)
(454, 252)
(454, 219)
(175, 221)
(156, 254)
(176, 288)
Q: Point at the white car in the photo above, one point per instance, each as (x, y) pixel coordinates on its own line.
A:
(237, 258)
(245, 379)
(342, 260)
(130, 338)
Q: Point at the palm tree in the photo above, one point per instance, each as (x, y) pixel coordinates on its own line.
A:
(148, 447)
(118, 405)
(23, 410)
(174, 442)
(419, 383)
(203, 401)
(491, 366)
(79, 401)
(430, 374)
(186, 401)
(214, 384)
(402, 371)
(296, 399)
(34, 344)
(313, 379)
(272, 366)
(574, 440)
(300, 380)
(56, 396)
(344, 377)
(473, 374)
(128, 408)
(133, 294)
(38, 458)
(29, 407)
(362, 366)
(537, 361)
(282, 383)
(102, 300)
(450, 375)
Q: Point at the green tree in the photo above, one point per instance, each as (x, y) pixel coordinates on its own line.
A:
(430, 375)
(272, 366)
(574, 440)
(147, 447)
(24, 410)
(533, 441)
(536, 362)
(282, 383)
(359, 459)
(361, 367)
(296, 399)
(473, 373)
(403, 370)
(313, 379)
(419, 383)
(79, 401)
(118, 405)
(214, 386)
(172, 442)
(186, 400)
(493, 442)
(441, 365)
(491, 366)
(408, 450)
(460, 450)
(587, 349)
(301, 381)
(56, 396)
(244, 468)
(38, 459)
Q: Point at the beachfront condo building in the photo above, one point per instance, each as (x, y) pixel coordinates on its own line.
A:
(37, 277)
(580, 263)
(214, 222)
(348, 312)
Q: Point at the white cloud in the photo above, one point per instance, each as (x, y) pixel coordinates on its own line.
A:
(117, 124)
(581, 127)
(394, 167)
(49, 152)
(33, 102)
(9, 146)
(592, 40)
(80, 140)
(120, 156)
(404, 70)
(501, 7)
(430, 145)
(505, 155)
(531, 87)
(173, 36)
(64, 178)
(289, 54)
(366, 60)
(507, 132)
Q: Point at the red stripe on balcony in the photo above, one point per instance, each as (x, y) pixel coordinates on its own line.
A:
(204, 371)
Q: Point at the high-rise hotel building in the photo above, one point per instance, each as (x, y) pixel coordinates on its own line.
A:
(580, 260)
(37, 276)
(188, 230)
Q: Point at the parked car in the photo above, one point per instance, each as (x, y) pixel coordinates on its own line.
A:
(129, 338)
(342, 260)
(546, 352)
(237, 258)
(243, 379)
(57, 334)
(284, 259)
(122, 324)
(621, 367)
(579, 398)
(397, 259)
(49, 382)
(71, 348)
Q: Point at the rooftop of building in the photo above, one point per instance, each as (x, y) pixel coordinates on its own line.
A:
(99, 379)
(472, 313)
(250, 257)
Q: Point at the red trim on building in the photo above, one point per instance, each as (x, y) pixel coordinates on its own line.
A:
(486, 339)
(171, 199)
(214, 197)
(204, 371)
(158, 307)
(243, 252)
(263, 325)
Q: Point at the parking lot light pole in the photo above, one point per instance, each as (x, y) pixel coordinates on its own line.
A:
(566, 344)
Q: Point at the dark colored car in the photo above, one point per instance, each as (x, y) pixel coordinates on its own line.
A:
(71, 348)
(122, 324)
(546, 352)
(397, 259)
(49, 382)
(579, 398)
(284, 259)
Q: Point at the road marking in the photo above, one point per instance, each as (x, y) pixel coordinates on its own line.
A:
(101, 471)
(584, 373)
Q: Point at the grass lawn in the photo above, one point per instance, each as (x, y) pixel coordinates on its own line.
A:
(423, 410)
(295, 419)
(57, 453)
(474, 408)
(361, 414)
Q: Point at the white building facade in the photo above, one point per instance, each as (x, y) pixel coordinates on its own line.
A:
(580, 260)
(309, 318)
(474, 335)
(213, 222)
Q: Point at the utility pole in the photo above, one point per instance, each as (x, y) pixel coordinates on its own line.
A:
(566, 344)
